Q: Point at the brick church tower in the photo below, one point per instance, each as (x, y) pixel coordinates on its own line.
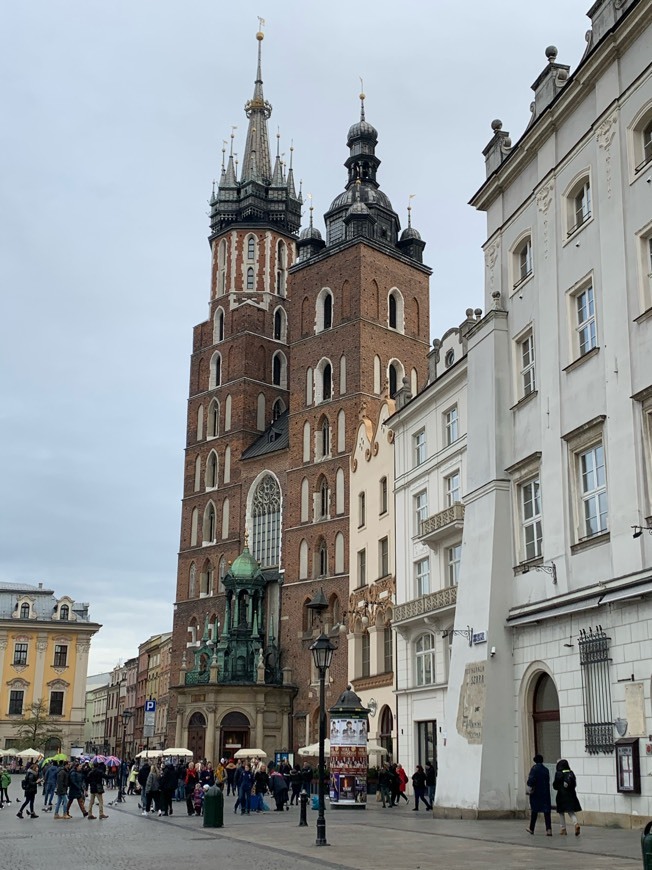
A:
(359, 326)
(302, 334)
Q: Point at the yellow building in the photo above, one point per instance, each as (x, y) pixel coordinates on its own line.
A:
(44, 645)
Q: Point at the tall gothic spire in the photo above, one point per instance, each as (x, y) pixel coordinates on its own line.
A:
(257, 162)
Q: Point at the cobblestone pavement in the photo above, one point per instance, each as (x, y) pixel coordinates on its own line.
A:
(359, 840)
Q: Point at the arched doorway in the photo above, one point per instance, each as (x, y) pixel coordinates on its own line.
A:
(386, 729)
(545, 718)
(197, 735)
(234, 735)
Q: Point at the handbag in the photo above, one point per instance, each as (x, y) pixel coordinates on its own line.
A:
(529, 789)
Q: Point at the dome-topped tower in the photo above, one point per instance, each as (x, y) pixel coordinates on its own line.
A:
(362, 200)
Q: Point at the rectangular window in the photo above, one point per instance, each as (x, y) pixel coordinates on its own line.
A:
(452, 488)
(16, 702)
(422, 577)
(20, 654)
(56, 703)
(60, 655)
(526, 353)
(362, 510)
(525, 261)
(420, 447)
(531, 518)
(383, 495)
(365, 655)
(593, 491)
(383, 557)
(362, 567)
(596, 691)
(451, 425)
(420, 510)
(585, 325)
(426, 742)
(453, 559)
(388, 650)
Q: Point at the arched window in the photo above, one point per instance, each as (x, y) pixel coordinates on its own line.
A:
(339, 492)
(303, 560)
(64, 613)
(386, 729)
(211, 470)
(266, 522)
(209, 524)
(339, 553)
(277, 409)
(327, 383)
(306, 441)
(545, 713)
(225, 519)
(281, 268)
(425, 660)
(227, 465)
(222, 572)
(341, 431)
(227, 413)
(192, 581)
(395, 372)
(251, 247)
(198, 474)
(279, 369)
(328, 311)
(216, 371)
(221, 268)
(377, 384)
(213, 419)
(392, 311)
(309, 396)
(260, 412)
(322, 564)
(342, 375)
(250, 278)
(365, 654)
(279, 325)
(206, 580)
(200, 423)
(194, 523)
(218, 326)
(323, 500)
(305, 500)
(324, 438)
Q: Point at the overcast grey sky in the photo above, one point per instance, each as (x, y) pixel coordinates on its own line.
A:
(113, 121)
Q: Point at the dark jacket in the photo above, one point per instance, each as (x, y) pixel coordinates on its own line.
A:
(169, 779)
(143, 773)
(95, 780)
(565, 784)
(306, 777)
(419, 780)
(431, 774)
(63, 777)
(207, 777)
(278, 785)
(539, 781)
(261, 781)
(51, 775)
(246, 780)
(76, 785)
(30, 783)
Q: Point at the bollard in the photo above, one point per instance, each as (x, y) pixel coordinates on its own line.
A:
(214, 808)
(303, 806)
(646, 846)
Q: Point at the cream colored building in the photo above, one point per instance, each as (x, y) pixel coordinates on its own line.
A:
(371, 576)
(44, 645)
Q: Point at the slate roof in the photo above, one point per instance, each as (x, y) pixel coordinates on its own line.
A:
(275, 437)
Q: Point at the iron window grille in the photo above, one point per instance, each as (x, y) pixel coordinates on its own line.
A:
(596, 690)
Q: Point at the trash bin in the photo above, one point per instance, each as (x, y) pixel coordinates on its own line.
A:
(646, 846)
(214, 808)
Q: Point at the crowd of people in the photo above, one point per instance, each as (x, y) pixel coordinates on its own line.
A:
(64, 784)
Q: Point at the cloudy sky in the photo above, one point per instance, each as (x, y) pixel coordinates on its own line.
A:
(113, 120)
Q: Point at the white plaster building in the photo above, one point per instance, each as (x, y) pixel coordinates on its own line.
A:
(372, 582)
(430, 468)
(559, 452)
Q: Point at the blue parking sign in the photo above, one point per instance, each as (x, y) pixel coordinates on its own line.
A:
(150, 706)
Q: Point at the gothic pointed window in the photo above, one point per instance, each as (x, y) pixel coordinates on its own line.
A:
(392, 311)
(251, 248)
(266, 521)
(250, 278)
(277, 409)
(278, 325)
(327, 383)
(328, 311)
(323, 560)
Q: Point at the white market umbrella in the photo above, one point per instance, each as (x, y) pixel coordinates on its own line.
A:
(175, 750)
(250, 753)
(374, 747)
(29, 753)
(149, 753)
(313, 749)
(9, 752)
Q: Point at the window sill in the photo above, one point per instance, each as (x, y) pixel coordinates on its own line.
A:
(524, 400)
(582, 359)
(520, 284)
(646, 315)
(588, 543)
(574, 233)
(527, 566)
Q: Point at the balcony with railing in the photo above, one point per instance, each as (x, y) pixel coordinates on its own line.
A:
(443, 524)
(431, 604)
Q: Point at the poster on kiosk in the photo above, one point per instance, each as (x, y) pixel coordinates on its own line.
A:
(348, 755)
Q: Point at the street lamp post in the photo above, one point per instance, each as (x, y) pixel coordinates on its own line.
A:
(126, 716)
(322, 652)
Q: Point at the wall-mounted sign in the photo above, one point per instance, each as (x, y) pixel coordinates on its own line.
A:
(479, 637)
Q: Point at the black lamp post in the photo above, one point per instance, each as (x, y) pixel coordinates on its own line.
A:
(126, 716)
(322, 652)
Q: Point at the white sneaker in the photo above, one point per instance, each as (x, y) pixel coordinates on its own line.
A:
(144, 813)
(160, 812)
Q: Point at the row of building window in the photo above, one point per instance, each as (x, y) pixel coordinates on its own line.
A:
(451, 433)
(325, 306)
(60, 654)
(382, 503)
(279, 329)
(214, 427)
(249, 273)
(17, 701)
(25, 612)
(279, 370)
(382, 563)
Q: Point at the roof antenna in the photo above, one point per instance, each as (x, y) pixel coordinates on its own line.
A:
(362, 99)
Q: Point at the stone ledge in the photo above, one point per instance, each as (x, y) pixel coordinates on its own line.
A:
(475, 814)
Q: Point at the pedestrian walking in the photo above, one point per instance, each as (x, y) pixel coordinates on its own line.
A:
(419, 786)
(133, 779)
(385, 786)
(244, 790)
(394, 784)
(431, 779)
(279, 788)
(49, 786)
(538, 784)
(190, 781)
(231, 768)
(76, 787)
(402, 782)
(30, 787)
(307, 774)
(95, 780)
(168, 785)
(295, 785)
(565, 784)
(153, 792)
(5, 782)
(61, 791)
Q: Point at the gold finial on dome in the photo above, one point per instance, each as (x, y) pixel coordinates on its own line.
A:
(362, 99)
(260, 35)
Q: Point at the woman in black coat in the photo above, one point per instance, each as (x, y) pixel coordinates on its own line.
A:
(419, 786)
(538, 782)
(565, 785)
(76, 789)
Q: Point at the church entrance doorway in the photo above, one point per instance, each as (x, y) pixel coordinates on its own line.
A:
(235, 734)
(197, 735)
